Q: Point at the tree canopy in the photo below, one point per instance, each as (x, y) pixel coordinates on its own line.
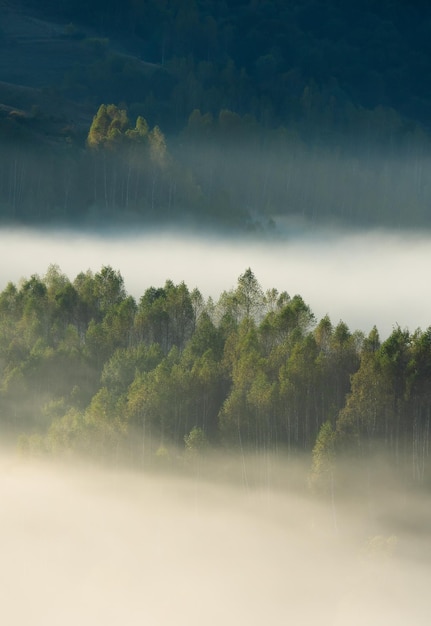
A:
(85, 369)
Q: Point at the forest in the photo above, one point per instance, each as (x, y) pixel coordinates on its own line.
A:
(232, 459)
(228, 173)
(252, 56)
(248, 101)
(87, 371)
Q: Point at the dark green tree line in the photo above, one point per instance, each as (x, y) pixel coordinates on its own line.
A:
(85, 368)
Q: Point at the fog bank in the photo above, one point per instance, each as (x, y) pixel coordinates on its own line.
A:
(363, 279)
(81, 546)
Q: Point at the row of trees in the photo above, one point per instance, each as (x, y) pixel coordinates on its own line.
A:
(122, 171)
(226, 171)
(85, 368)
(128, 162)
(388, 409)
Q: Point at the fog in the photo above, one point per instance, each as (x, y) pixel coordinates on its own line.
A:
(367, 278)
(86, 546)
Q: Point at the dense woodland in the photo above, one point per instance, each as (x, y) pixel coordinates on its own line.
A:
(87, 370)
(257, 56)
(258, 107)
(255, 116)
(227, 173)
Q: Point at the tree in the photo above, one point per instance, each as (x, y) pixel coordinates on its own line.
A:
(375, 410)
(108, 127)
(239, 420)
(139, 134)
(199, 127)
(207, 389)
(99, 128)
(108, 289)
(245, 302)
(323, 459)
(158, 150)
(419, 404)
(302, 399)
(322, 475)
(166, 316)
(195, 442)
(250, 295)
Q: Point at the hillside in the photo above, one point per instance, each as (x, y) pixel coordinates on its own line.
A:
(253, 99)
(37, 56)
(250, 57)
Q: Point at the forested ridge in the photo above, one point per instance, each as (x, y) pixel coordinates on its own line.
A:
(269, 111)
(257, 56)
(87, 370)
(228, 173)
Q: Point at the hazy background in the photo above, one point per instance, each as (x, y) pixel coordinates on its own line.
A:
(85, 546)
(375, 277)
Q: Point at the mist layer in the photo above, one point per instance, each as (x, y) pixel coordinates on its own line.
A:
(108, 547)
(369, 279)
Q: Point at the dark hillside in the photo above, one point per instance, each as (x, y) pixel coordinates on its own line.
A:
(260, 106)
(251, 57)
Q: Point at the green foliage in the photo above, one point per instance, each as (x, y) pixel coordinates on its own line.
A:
(109, 127)
(273, 95)
(195, 442)
(243, 52)
(166, 316)
(323, 460)
(158, 149)
(139, 134)
(85, 370)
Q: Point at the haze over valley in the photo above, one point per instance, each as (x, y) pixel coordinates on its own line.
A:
(215, 318)
(89, 546)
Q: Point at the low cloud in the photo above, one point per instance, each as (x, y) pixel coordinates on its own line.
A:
(88, 546)
(364, 279)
